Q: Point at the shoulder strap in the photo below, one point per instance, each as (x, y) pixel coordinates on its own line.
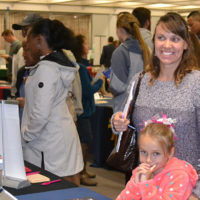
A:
(132, 104)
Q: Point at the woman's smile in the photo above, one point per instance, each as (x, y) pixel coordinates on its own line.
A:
(169, 47)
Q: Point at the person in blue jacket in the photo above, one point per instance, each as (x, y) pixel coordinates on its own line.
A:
(88, 89)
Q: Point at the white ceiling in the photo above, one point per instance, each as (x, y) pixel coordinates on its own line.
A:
(182, 6)
(152, 4)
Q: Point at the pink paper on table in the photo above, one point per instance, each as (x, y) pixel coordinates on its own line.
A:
(27, 169)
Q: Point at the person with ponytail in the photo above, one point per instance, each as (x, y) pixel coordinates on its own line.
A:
(128, 59)
(50, 137)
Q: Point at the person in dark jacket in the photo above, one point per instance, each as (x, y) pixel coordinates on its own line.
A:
(107, 53)
(88, 89)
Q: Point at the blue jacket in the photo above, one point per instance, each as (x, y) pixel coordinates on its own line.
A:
(88, 91)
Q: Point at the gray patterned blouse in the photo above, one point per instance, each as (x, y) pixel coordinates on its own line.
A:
(181, 102)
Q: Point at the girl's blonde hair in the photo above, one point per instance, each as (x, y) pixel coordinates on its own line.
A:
(131, 25)
(174, 23)
(161, 133)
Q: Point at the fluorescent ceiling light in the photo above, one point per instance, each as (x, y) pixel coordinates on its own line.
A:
(160, 5)
(58, 1)
(187, 7)
(182, 1)
(102, 1)
(129, 3)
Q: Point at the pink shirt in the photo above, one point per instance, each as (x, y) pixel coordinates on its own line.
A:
(175, 181)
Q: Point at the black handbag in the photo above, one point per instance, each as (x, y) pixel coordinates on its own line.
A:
(126, 159)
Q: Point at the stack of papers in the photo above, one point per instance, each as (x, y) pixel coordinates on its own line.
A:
(37, 178)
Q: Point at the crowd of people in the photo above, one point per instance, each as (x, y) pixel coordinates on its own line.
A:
(55, 92)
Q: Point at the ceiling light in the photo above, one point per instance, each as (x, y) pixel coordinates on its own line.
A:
(58, 1)
(160, 5)
(187, 7)
(103, 1)
(129, 3)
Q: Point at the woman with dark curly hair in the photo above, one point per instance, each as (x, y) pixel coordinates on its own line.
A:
(171, 86)
(51, 139)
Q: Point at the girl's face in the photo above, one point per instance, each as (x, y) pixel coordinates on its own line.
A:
(169, 47)
(152, 153)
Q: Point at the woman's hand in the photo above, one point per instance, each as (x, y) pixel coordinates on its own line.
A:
(5, 56)
(102, 77)
(144, 172)
(120, 124)
(21, 101)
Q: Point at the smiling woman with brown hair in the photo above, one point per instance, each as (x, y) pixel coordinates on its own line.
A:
(171, 86)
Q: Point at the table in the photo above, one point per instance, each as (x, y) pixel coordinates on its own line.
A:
(102, 144)
(63, 190)
(65, 194)
(37, 187)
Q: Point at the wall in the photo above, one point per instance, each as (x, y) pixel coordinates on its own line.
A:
(154, 20)
(96, 27)
(79, 23)
(102, 26)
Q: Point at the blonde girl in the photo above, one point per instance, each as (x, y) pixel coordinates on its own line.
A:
(160, 175)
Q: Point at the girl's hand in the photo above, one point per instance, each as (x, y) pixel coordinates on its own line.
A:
(193, 197)
(144, 172)
(120, 124)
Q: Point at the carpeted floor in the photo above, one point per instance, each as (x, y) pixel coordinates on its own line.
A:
(110, 182)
